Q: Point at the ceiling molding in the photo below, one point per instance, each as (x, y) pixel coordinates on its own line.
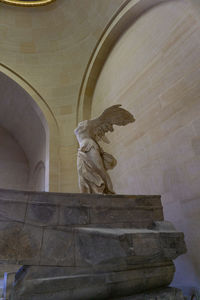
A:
(27, 3)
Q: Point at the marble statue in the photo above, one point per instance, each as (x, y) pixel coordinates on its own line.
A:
(92, 161)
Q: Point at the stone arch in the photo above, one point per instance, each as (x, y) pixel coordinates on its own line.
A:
(39, 110)
(122, 20)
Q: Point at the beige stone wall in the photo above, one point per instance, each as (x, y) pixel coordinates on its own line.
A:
(154, 72)
(50, 48)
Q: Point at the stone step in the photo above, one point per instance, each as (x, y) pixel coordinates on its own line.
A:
(77, 247)
(56, 209)
(94, 286)
(96, 246)
(109, 262)
(85, 247)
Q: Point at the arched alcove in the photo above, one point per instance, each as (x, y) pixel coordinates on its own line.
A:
(148, 61)
(46, 120)
(24, 121)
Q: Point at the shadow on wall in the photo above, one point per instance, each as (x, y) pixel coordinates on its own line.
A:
(24, 150)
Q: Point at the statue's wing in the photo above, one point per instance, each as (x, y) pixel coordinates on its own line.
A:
(114, 115)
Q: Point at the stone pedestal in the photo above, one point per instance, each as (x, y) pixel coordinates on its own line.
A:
(159, 294)
(80, 246)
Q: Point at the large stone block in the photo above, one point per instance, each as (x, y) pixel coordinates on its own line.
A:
(160, 294)
(96, 246)
(42, 214)
(74, 216)
(103, 285)
(47, 209)
(19, 243)
(12, 210)
(86, 247)
(13, 205)
(57, 248)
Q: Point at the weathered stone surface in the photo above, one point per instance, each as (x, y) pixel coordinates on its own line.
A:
(103, 285)
(42, 214)
(86, 246)
(13, 205)
(28, 244)
(47, 209)
(17, 196)
(57, 248)
(20, 243)
(74, 216)
(132, 246)
(169, 293)
(114, 215)
(12, 210)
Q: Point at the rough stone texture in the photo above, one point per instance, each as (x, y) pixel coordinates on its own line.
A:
(74, 215)
(96, 246)
(56, 209)
(51, 229)
(42, 214)
(96, 285)
(20, 243)
(161, 294)
(80, 246)
(57, 248)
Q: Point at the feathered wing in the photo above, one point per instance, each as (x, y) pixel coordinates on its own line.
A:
(114, 115)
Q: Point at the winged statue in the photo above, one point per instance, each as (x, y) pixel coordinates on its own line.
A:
(92, 161)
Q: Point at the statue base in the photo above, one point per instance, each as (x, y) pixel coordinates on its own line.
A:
(160, 294)
(85, 247)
